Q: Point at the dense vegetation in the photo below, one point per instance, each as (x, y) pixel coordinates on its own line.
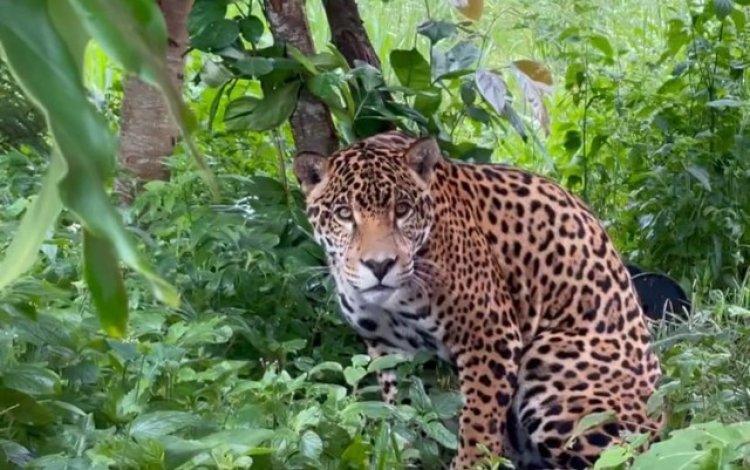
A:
(648, 122)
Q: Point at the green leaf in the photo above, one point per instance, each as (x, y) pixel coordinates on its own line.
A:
(447, 405)
(435, 430)
(354, 374)
(388, 361)
(701, 446)
(40, 215)
(104, 278)
(325, 366)
(161, 423)
(204, 12)
(437, 30)
(255, 66)
(492, 87)
(602, 43)
(411, 69)
(723, 8)
(371, 409)
(272, 111)
(32, 380)
(251, 29)
(311, 445)
(701, 175)
(216, 35)
(326, 87)
(613, 458)
(724, 103)
(24, 408)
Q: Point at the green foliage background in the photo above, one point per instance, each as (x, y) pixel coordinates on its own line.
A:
(649, 124)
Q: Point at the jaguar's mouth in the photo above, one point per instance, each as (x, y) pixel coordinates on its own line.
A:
(379, 288)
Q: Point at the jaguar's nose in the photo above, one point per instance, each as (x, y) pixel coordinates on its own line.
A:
(379, 268)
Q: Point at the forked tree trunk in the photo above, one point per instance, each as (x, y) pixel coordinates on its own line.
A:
(148, 133)
(311, 121)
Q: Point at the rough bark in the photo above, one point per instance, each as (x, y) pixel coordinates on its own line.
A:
(348, 32)
(148, 133)
(312, 126)
(349, 36)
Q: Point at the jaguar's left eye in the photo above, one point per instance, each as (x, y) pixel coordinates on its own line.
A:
(402, 209)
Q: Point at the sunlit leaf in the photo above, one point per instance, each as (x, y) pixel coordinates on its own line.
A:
(492, 87)
(535, 81)
(471, 9)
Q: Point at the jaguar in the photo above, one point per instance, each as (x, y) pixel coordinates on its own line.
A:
(501, 272)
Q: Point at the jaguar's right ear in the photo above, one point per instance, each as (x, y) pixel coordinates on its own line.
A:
(310, 168)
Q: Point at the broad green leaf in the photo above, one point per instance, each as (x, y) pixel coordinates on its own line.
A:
(447, 405)
(388, 361)
(326, 366)
(613, 458)
(251, 29)
(24, 408)
(459, 59)
(492, 87)
(411, 69)
(724, 103)
(161, 423)
(311, 445)
(418, 396)
(205, 12)
(216, 35)
(602, 43)
(271, 111)
(326, 86)
(29, 379)
(437, 30)
(438, 432)
(701, 175)
(723, 8)
(104, 278)
(255, 66)
(354, 374)
(371, 409)
(535, 81)
(701, 446)
(40, 215)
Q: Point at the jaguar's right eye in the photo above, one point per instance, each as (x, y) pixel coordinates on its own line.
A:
(344, 214)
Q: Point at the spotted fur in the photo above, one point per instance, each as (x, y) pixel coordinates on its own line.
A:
(502, 273)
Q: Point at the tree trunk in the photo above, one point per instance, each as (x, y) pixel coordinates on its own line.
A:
(348, 33)
(349, 36)
(311, 121)
(148, 133)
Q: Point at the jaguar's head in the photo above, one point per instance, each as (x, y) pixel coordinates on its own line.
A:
(371, 209)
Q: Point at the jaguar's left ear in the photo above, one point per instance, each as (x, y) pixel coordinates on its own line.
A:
(309, 168)
(422, 157)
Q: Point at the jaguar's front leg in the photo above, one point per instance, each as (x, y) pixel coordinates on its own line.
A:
(386, 377)
(487, 373)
